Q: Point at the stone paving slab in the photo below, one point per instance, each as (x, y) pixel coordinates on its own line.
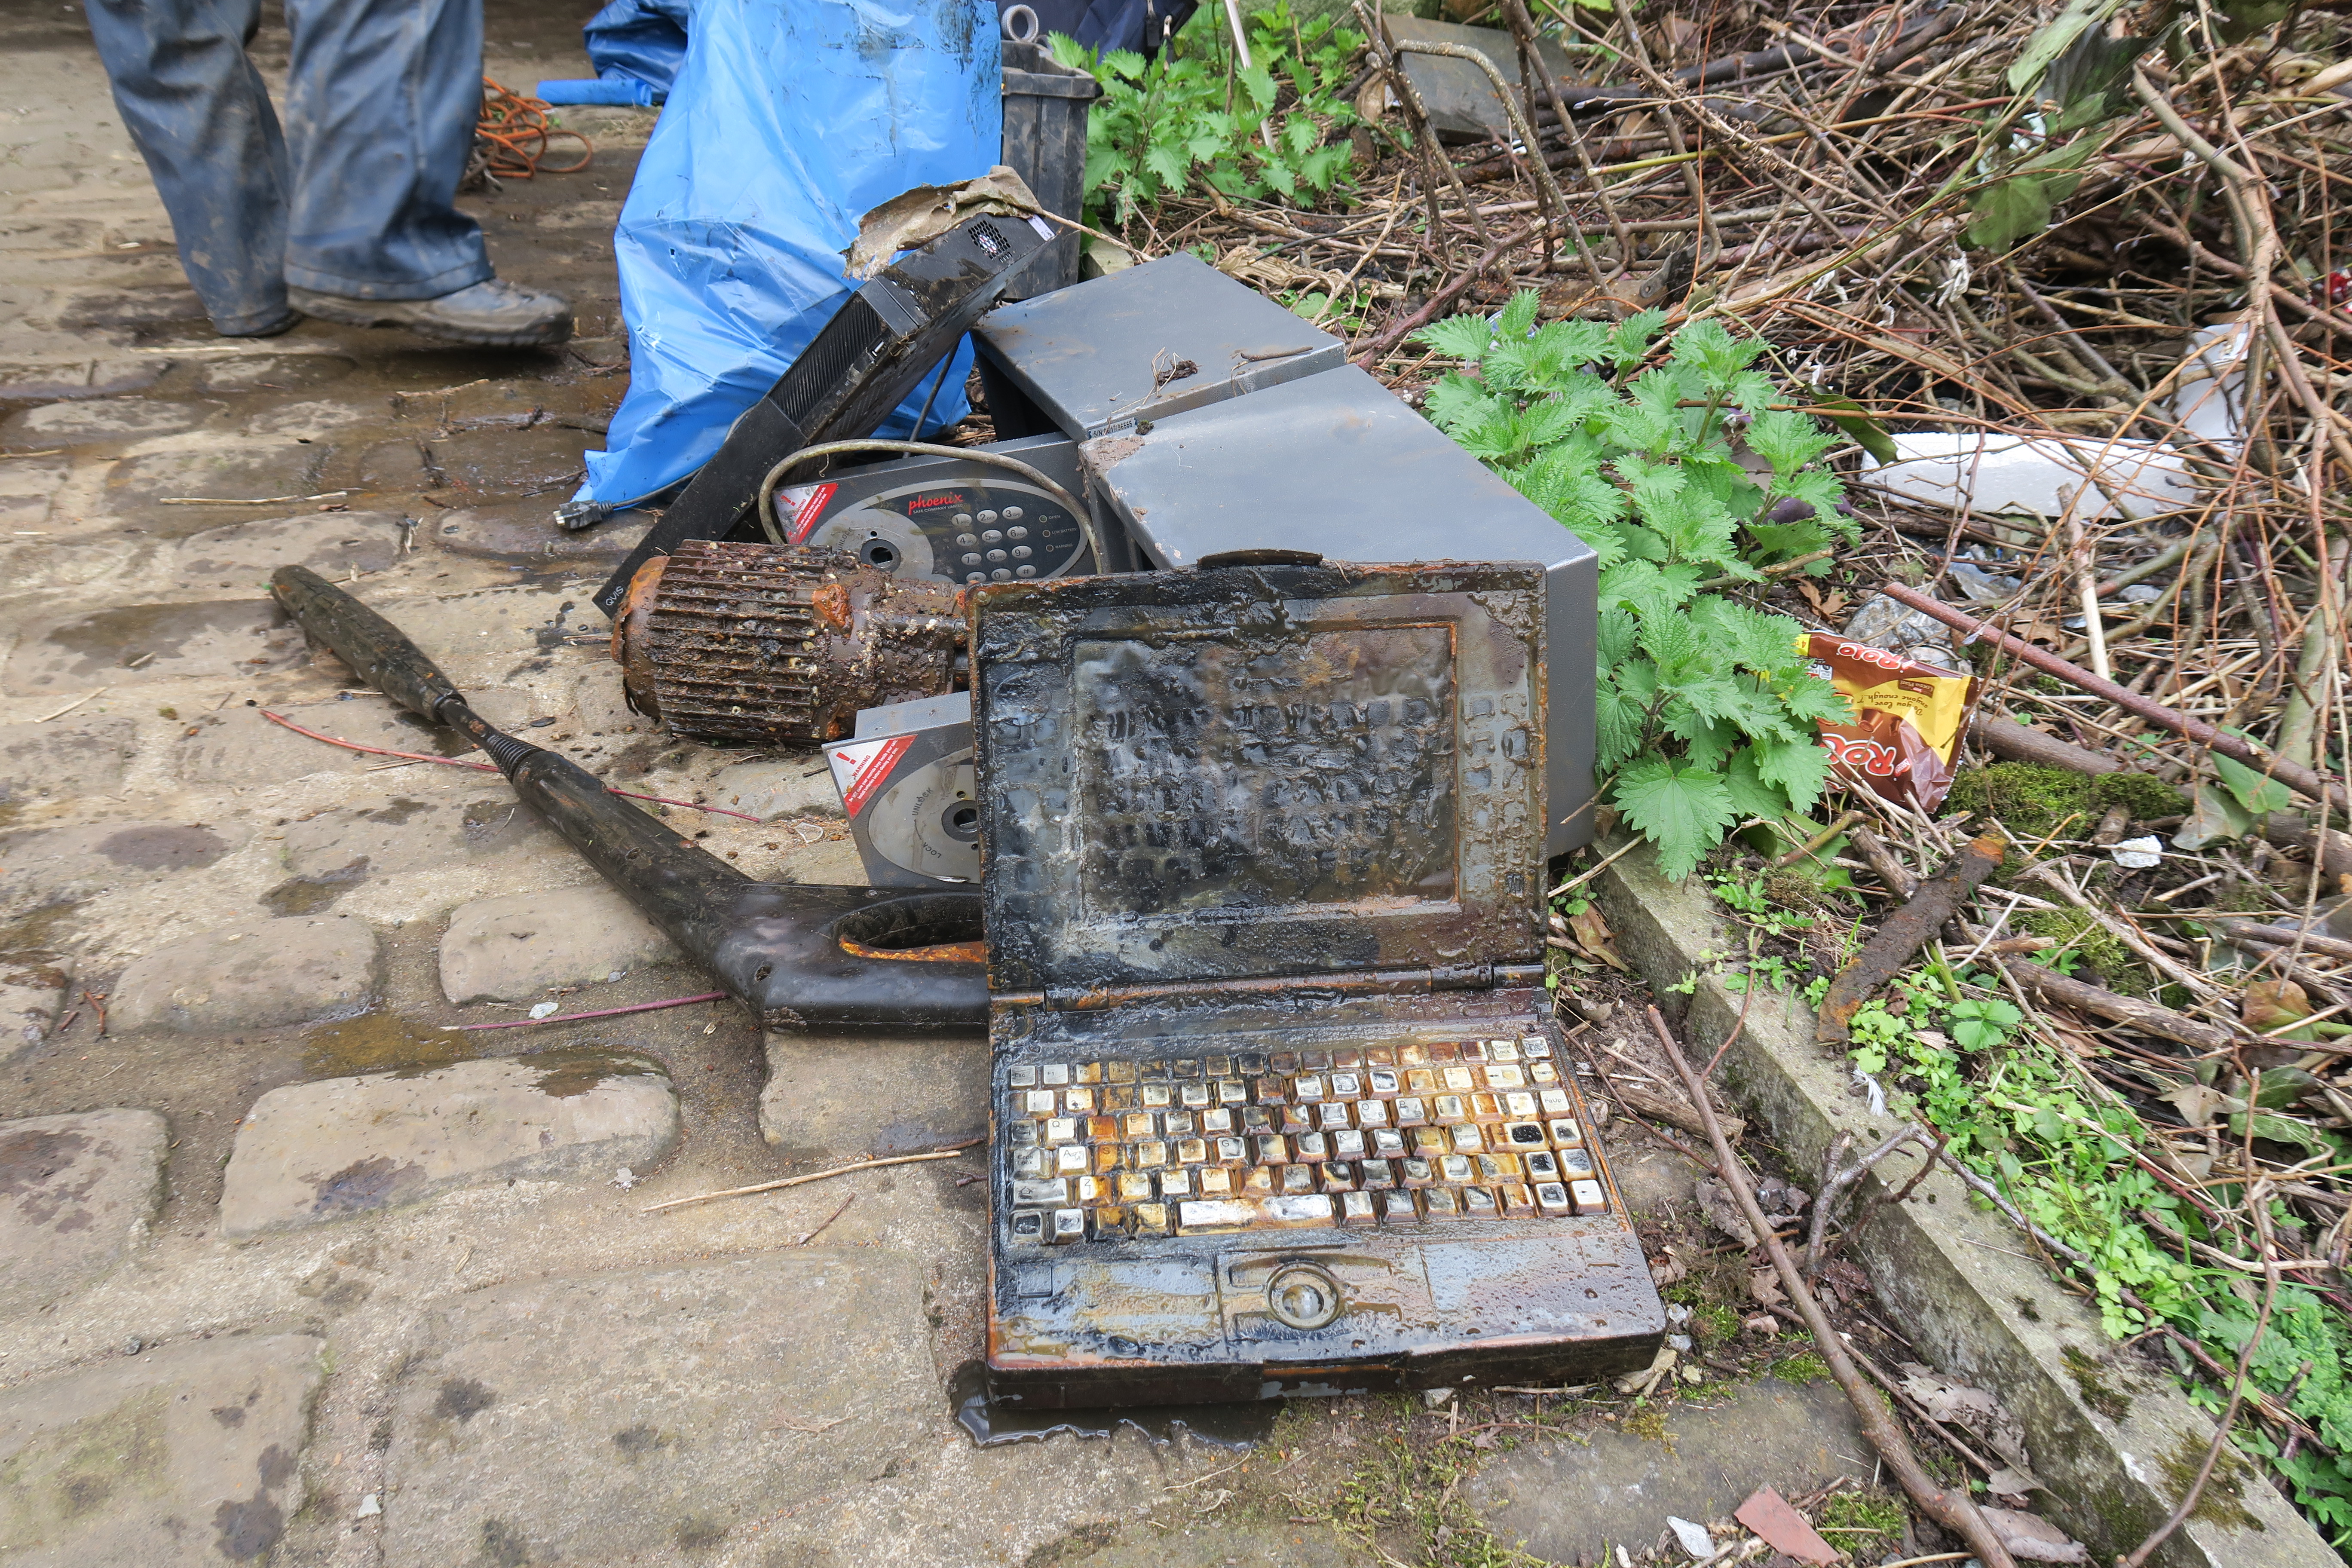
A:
(185, 1456)
(517, 947)
(49, 865)
(334, 544)
(1566, 1503)
(790, 786)
(237, 745)
(315, 1151)
(69, 757)
(256, 975)
(75, 1192)
(103, 419)
(34, 984)
(654, 1415)
(104, 648)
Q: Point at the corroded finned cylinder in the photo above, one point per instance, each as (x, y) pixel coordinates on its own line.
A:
(781, 643)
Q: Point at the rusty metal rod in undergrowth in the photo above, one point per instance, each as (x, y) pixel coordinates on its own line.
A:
(2294, 776)
(1948, 1507)
(1903, 934)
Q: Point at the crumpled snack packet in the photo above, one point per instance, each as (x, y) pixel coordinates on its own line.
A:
(1907, 718)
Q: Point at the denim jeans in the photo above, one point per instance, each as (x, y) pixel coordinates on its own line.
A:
(355, 196)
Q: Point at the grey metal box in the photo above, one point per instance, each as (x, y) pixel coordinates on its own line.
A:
(1144, 343)
(1336, 464)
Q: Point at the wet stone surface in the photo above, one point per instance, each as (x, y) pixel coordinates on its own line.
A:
(318, 1152)
(1564, 1503)
(104, 648)
(44, 762)
(75, 1192)
(191, 1455)
(255, 975)
(34, 984)
(518, 947)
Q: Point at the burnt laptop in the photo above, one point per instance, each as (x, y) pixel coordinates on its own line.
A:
(1279, 1104)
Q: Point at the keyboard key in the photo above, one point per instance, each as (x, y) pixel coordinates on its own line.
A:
(1589, 1196)
(1255, 1119)
(1397, 1208)
(1217, 1067)
(1411, 1112)
(1383, 1080)
(1138, 1124)
(1442, 1204)
(1069, 1225)
(1429, 1142)
(1020, 1133)
(1552, 1198)
(1134, 1187)
(1118, 1072)
(1270, 1092)
(1231, 1091)
(1062, 1130)
(1372, 1113)
(1296, 1179)
(1088, 1192)
(1214, 1181)
(1310, 1147)
(1179, 1124)
(1523, 1135)
(1192, 1151)
(1380, 1056)
(1335, 1177)
(1421, 1081)
(1194, 1096)
(1330, 1118)
(1376, 1174)
(1346, 1060)
(1258, 1181)
(1347, 1085)
(1147, 1155)
(1040, 1101)
(1281, 1062)
(1156, 1096)
(1071, 1160)
(1468, 1140)
(1517, 1199)
(1497, 1167)
(1355, 1208)
(1054, 1075)
(1177, 1184)
(1033, 1164)
(1270, 1149)
(1029, 1227)
(1542, 1167)
(1307, 1088)
(1052, 1194)
(1412, 1056)
(1447, 1110)
(1519, 1105)
(1455, 1168)
(1388, 1143)
(1086, 1072)
(1477, 1203)
(1461, 1081)
(1297, 1119)
(1502, 1050)
(1106, 1224)
(1501, 1077)
(1445, 1052)
(1542, 1073)
(1228, 1151)
(1565, 1133)
(1106, 1157)
(1150, 1219)
(1485, 1108)
(1189, 1067)
(1415, 1172)
(1575, 1163)
(1554, 1102)
(1347, 1145)
(1118, 1096)
(1208, 1216)
(1249, 1064)
(1214, 1122)
(1536, 1047)
(1315, 1061)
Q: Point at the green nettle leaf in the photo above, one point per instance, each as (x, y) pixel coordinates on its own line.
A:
(1645, 587)
(1457, 337)
(1169, 163)
(1518, 317)
(1685, 810)
(1618, 635)
(1618, 717)
(1787, 440)
(1125, 63)
(1798, 767)
(2008, 211)
(1629, 344)
(1457, 402)
(1752, 794)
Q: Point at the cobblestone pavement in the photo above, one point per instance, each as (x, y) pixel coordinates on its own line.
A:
(291, 1272)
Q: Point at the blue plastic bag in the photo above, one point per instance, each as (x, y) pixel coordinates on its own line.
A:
(642, 41)
(788, 120)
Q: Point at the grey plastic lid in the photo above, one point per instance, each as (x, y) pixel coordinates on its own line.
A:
(1259, 770)
(1148, 342)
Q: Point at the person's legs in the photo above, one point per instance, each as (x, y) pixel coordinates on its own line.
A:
(381, 101)
(199, 114)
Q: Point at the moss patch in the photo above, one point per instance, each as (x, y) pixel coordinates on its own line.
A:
(2091, 1382)
(2223, 1501)
(2143, 795)
(2098, 948)
(2029, 801)
(1805, 1366)
(1864, 1524)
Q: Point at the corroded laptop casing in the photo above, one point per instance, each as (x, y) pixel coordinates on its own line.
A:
(1277, 808)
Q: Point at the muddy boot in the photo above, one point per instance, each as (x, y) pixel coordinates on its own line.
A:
(493, 313)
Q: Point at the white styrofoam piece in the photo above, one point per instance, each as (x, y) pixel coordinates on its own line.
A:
(1993, 473)
(2208, 398)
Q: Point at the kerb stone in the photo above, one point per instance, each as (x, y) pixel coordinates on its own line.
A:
(186, 1456)
(75, 1192)
(325, 1150)
(517, 947)
(259, 976)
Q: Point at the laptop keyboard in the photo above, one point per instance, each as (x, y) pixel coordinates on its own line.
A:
(1393, 1136)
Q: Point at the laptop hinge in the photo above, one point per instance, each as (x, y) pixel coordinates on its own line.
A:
(1362, 981)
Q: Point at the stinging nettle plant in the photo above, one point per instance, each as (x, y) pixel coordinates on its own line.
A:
(1706, 709)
